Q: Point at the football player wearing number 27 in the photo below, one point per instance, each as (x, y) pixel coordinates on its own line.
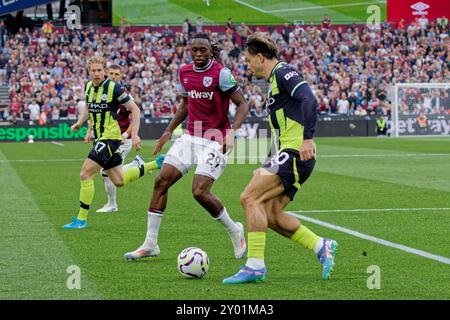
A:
(207, 88)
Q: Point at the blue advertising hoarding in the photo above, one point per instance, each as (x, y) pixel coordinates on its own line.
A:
(8, 6)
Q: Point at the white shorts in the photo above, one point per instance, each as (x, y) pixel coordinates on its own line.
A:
(189, 150)
(125, 149)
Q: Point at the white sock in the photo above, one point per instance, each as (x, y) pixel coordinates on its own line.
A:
(130, 165)
(110, 189)
(318, 245)
(255, 263)
(153, 222)
(225, 219)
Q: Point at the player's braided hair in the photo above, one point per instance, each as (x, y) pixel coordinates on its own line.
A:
(260, 43)
(215, 49)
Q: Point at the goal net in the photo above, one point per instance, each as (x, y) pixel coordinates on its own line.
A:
(421, 109)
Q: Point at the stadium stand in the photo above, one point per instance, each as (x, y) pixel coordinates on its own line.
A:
(351, 69)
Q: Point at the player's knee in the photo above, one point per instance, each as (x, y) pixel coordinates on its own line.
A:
(272, 221)
(199, 194)
(161, 183)
(117, 183)
(246, 199)
(84, 175)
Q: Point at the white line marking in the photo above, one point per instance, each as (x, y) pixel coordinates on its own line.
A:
(394, 155)
(374, 239)
(305, 8)
(372, 210)
(322, 7)
(263, 158)
(250, 6)
(58, 144)
(42, 160)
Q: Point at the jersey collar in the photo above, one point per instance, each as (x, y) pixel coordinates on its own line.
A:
(99, 84)
(275, 67)
(203, 69)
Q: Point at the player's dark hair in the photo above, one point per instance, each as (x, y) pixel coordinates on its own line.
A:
(215, 50)
(115, 67)
(260, 43)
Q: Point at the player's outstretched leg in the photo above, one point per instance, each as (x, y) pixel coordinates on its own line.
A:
(134, 173)
(289, 226)
(166, 178)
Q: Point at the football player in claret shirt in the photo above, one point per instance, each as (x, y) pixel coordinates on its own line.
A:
(292, 117)
(103, 97)
(207, 88)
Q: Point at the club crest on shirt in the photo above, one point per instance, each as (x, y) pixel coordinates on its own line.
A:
(207, 81)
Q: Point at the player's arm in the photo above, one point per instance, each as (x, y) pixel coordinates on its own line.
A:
(124, 98)
(135, 124)
(299, 89)
(83, 118)
(87, 137)
(229, 85)
(177, 119)
(241, 113)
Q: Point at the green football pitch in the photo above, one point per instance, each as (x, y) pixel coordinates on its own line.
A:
(386, 201)
(144, 12)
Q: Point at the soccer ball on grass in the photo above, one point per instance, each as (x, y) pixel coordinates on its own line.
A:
(193, 263)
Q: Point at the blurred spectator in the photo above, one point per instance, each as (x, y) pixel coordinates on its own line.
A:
(343, 105)
(187, 27)
(286, 32)
(199, 25)
(326, 22)
(47, 28)
(244, 32)
(34, 111)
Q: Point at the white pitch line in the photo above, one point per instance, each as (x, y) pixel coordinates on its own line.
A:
(372, 210)
(42, 160)
(374, 239)
(250, 6)
(322, 7)
(265, 157)
(58, 143)
(394, 155)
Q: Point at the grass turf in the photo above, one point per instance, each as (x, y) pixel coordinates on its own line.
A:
(38, 197)
(139, 12)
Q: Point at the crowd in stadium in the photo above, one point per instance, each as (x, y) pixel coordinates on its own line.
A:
(350, 69)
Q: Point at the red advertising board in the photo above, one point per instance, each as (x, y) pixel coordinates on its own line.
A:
(409, 10)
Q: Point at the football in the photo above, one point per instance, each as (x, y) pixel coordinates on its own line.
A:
(193, 263)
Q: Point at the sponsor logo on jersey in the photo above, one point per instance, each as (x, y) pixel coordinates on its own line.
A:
(291, 74)
(200, 95)
(97, 106)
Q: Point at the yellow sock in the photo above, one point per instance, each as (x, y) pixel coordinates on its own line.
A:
(256, 244)
(305, 237)
(87, 191)
(134, 173)
(149, 166)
